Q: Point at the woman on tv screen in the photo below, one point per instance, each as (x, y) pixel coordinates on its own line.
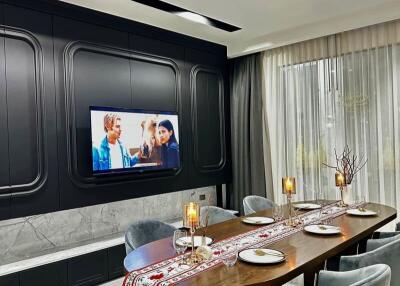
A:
(170, 146)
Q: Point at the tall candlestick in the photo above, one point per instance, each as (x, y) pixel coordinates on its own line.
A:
(191, 219)
(289, 188)
(340, 181)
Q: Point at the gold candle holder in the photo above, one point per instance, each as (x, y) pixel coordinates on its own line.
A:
(289, 188)
(191, 220)
(340, 181)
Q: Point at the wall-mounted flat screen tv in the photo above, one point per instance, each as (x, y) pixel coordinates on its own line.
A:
(131, 140)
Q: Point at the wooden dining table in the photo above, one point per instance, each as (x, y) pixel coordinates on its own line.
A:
(305, 253)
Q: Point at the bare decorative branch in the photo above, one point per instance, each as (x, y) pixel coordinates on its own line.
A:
(348, 164)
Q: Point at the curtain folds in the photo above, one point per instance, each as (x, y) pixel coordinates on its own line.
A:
(247, 129)
(323, 94)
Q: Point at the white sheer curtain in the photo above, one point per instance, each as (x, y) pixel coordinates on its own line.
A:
(325, 93)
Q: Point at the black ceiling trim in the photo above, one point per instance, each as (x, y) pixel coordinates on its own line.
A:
(164, 6)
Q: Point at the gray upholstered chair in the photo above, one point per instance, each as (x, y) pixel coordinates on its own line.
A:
(374, 275)
(386, 250)
(215, 215)
(379, 234)
(252, 204)
(145, 231)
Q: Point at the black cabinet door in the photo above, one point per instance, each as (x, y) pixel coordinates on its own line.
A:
(50, 274)
(31, 117)
(88, 269)
(9, 280)
(209, 103)
(116, 257)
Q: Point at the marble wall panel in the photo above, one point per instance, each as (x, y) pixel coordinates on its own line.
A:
(29, 236)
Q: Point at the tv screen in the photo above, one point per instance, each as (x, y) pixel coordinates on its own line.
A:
(129, 140)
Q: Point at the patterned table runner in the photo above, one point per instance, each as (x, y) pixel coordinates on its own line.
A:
(171, 271)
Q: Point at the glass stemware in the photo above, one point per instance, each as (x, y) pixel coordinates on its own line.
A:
(179, 242)
(278, 213)
(229, 254)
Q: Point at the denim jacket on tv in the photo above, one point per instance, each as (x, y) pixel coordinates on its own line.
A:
(102, 161)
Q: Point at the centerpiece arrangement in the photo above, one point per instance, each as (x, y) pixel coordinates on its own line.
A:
(347, 166)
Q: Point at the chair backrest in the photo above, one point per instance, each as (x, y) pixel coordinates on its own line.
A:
(373, 244)
(387, 254)
(145, 231)
(252, 204)
(215, 215)
(374, 275)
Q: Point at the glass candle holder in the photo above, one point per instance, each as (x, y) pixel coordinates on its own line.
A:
(191, 220)
(288, 189)
(340, 181)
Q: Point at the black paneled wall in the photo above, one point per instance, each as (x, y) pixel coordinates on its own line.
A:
(56, 60)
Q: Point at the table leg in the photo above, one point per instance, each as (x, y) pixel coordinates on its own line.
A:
(310, 275)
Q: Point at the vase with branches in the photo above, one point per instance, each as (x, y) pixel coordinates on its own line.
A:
(347, 164)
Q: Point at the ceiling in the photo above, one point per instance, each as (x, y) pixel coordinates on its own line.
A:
(265, 23)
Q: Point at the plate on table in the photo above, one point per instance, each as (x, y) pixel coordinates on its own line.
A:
(307, 206)
(361, 212)
(197, 241)
(261, 255)
(258, 220)
(322, 229)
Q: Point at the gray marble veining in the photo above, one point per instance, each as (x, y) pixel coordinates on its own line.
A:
(26, 237)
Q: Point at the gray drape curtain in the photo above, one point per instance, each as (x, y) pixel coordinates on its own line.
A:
(246, 130)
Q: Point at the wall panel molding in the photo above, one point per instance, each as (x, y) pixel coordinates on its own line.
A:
(70, 108)
(42, 172)
(195, 97)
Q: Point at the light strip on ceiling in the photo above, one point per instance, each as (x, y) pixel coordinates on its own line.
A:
(189, 15)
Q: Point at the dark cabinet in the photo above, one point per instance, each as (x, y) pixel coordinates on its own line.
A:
(84, 270)
(9, 280)
(50, 274)
(210, 125)
(30, 114)
(89, 269)
(116, 257)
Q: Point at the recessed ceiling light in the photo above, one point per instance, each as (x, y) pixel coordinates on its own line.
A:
(194, 17)
(189, 15)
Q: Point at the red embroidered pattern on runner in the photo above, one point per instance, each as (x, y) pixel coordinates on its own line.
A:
(171, 271)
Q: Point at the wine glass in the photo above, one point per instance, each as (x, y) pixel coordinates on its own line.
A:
(179, 242)
(321, 200)
(229, 254)
(278, 213)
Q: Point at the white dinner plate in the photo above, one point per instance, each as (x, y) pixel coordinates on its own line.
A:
(197, 240)
(359, 212)
(322, 229)
(307, 206)
(258, 220)
(262, 255)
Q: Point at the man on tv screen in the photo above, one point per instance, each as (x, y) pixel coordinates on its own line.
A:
(112, 154)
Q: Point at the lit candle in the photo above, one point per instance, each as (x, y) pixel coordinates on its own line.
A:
(192, 214)
(340, 179)
(289, 185)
